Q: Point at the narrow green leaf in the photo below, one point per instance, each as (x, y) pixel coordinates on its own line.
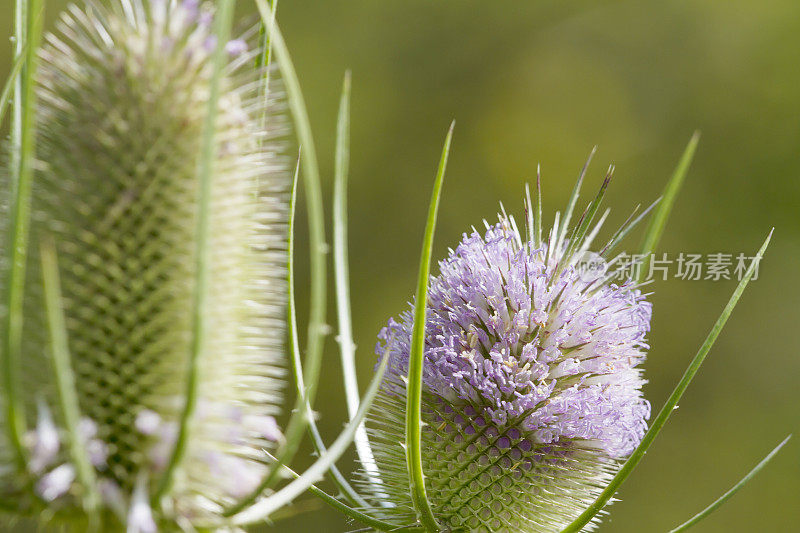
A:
(656, 227)
(263, 60)
(65, 382)
(529, 224)
(416, 358)
(5, 95)
(342, 278)
(313, 190)
(205, 176)
(28, 30)
(264, 508)
(725, 497)
(672, 401)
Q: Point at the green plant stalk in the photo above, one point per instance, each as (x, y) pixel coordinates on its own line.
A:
(669, 406)
(65, 383)
(342, 278)
(205, 175)
(725, 497)
(28, 29)
(11, 82)
(416, 358)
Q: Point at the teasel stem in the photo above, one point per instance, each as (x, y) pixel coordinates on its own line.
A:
(342, 278)
(205, 173)
(302, 412)
(264, 59)
(28, 29)
(65, 381)
(11, 82)
(417, 357)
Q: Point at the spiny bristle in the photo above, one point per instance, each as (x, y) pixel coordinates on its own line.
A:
(123, 95)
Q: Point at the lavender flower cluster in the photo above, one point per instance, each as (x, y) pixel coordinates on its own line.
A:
(524, 341)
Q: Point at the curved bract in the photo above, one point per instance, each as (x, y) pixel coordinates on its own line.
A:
(532, 385)
(124, 94)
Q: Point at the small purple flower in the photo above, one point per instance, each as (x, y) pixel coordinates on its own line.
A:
(265, 426)
(56, 483)
(210, 43)
(236, 47)
(45, 441)
(147, 422)
(190, 8)
(140, 515)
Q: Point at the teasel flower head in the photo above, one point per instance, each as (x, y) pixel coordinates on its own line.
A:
(124, 92)
(531, 381)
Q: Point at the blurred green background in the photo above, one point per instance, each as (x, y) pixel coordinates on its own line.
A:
(542, 82)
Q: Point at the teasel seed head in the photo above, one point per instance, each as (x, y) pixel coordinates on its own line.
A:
(531, 384)
(123, 93)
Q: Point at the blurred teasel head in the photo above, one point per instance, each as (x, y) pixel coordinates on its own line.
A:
(531, 379)
(159, 194)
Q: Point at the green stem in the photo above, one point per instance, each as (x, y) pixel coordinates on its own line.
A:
(65, 382)
(416, 358)
(342, 277)
(28, 21)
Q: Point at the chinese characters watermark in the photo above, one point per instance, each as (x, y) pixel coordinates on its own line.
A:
(715, 266)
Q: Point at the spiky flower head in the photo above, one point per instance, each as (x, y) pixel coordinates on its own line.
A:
(531, 382)
(123, 94)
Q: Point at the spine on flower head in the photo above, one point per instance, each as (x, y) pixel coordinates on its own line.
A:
(531, 382)
(123, 94)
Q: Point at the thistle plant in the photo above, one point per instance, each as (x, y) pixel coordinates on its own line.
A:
(531, 380)
(148, 311)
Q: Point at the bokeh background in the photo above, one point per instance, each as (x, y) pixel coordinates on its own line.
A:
(542, 82)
